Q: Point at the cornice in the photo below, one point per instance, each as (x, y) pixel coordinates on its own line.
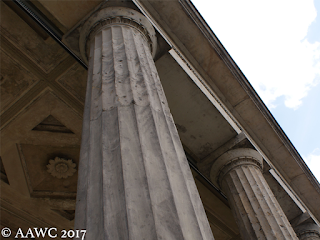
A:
(224, 55)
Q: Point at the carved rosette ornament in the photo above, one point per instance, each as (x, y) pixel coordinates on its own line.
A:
(61, 168)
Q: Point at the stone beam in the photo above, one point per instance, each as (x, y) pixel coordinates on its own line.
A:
(302, 218)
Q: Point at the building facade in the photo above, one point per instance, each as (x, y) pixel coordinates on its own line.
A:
(128, 119)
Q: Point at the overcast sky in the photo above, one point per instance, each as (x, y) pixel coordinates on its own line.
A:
(276, 44)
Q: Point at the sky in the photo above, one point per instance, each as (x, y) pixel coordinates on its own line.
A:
(276, 44)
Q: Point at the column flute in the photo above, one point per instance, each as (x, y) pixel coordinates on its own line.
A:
(134, 179)
(259, 216)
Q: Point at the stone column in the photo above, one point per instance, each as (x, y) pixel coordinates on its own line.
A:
(308, 231)
(134, 179)
(257, 212)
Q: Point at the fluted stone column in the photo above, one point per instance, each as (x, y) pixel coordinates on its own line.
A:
(308, 231)
(257, 212)
(134, 179)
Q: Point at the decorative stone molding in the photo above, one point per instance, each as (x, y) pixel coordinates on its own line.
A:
(309, 235)
(116, 16)
(61, 168)
(236, 163)
(308, 231)
(233, 159)
(119, 20)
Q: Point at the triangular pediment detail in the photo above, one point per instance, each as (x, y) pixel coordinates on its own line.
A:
(68, 214)
(3, 172)
(51, 124)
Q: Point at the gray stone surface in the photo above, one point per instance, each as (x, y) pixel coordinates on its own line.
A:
(309, 235)
(135, 182)
(308, 231)
(257, 212)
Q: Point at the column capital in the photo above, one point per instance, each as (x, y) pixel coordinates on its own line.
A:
(111, 16)
(233, 159)
(308, 231)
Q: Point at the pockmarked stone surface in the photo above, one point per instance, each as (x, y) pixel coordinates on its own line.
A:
(135, 180)
(257, 212)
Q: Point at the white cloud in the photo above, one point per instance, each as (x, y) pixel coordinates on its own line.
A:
(313, 162)
(271, 46)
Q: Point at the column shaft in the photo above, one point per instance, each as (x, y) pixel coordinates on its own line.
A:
(134, 179)
(257, 212)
